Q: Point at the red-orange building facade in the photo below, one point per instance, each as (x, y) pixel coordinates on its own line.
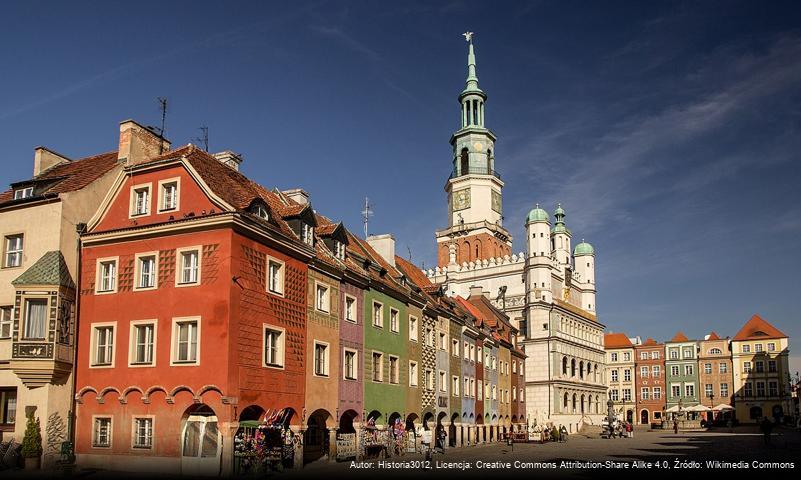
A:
(649, 372)
(178, 313)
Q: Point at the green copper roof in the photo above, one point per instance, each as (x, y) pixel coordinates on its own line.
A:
(559, 225)
(538, 215)
(471, 85)
(50, 269)
(583, 248)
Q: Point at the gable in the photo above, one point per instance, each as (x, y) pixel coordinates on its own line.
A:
(191, 199)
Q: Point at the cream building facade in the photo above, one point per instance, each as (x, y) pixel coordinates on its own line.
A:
(620, 375)
(548, 291)
(760, 363)
(39, 223)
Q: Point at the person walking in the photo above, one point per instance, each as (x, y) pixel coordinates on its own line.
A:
(675, 426)
(766, 426)
(562, 433)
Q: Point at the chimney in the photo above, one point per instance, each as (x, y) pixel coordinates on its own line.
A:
(138, 143)
(477, 291)
(384, 245)
(297, 194)
(229, 159)
(44, 158)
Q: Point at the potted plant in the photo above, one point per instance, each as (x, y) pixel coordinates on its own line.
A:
(32, 444)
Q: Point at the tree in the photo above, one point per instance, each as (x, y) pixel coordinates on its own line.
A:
(32, 441)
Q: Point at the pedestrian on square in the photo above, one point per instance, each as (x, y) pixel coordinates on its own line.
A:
(675, 426)
(555, 434)
(562, 433)
(766, 426)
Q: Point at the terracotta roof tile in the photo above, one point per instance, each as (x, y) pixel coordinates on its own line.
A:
(757, 328)
(649, 342)
(713, 336)
(679, 337)
(616, 340)
(71, 176)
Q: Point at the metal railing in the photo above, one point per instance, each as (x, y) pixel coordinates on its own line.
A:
(475, 171)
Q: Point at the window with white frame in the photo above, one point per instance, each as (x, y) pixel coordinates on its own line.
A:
(35, 319)
(104, 345)
(480, 389)
(189, 267)
(466, 389)
(394, 369)
(494, 393)
(394, 321)
(6, 321)
(101, 434)
(614, 375)
(626, 356)
(412, 373)
(107, 276)
(455, 386)
(657, 393)
(455, 347)
(748, 389)
(626, 394)
(339, 250)
(320, 359)
(758, 347)
(20, 193)
(645, 393)
(142, 341)
(322, 297)
(771, 347)
(378, 315)
(613, 356)
(349, 364)
(643, 355)
(140, 200)
(708, 391)
(143, 432)
(687, 353)
(657, 370)
(350, 309)
(412, 328)
(689, 390)
(466, 351)
(688, 370)
(724, 389)
(307, 234)
(746, 367)
(443, 382)
(472, 353)
(378, 367)
(168, 197)
(674, 370)
(273, 346)
(644, 372)
(655, 355)
(674, 353)
(746, 348)
(707, 368)
(260, 211)
(614, 395)
(443, 341)
(185, 341)
(275, 276)
(514, 366)
(473, 387)
(428, 377)
(627, 375)
(13, 251)
(146, 271)
(487, 391)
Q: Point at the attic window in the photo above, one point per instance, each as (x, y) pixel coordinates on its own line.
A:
(260, 211)
(23, 193)
(339, 250)
(307, 235)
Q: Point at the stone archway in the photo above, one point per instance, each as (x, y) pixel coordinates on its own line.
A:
(315, 437)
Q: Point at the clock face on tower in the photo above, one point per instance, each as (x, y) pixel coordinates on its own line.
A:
(461, 199)
(496, 201)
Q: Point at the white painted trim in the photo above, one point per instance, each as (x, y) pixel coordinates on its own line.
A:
(137, 271)
(152, 446)
(326, 360)
(355, 352)
(110, 432)
(355, 319)
(282, 350)
(132, 342)
(159, 202)
(179, 265)
(283, 276)
(99, 278)
(132, 200)
(174, 341)
(93, 344)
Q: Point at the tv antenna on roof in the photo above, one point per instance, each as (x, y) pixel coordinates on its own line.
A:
(163, 106)
(203, 139)
(366, 214)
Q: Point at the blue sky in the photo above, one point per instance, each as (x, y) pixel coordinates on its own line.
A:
(669, 131)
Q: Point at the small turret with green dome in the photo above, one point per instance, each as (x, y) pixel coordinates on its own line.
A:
(559, 225)
(583, 248)
(538, 215)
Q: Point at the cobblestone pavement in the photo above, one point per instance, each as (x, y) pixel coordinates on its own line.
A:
(692, 451)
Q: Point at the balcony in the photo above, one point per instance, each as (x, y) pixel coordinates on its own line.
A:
(475, 171)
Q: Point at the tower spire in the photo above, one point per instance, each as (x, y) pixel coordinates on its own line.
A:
(471, 84)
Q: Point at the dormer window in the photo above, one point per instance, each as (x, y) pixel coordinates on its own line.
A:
(261, 212)
(339, 250)
(23, 193)
(307, 234)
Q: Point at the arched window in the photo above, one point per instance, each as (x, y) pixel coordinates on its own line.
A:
(464, 163)
(573, 368)
(489, 162)
(574, 403)
(565, 404)
(581, 370)
(564, 365)
(715, 351)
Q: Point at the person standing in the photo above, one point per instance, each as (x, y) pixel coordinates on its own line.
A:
(766, 426)
(675, 426)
